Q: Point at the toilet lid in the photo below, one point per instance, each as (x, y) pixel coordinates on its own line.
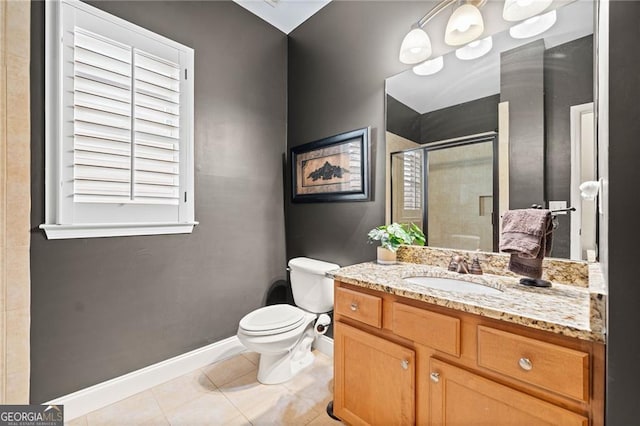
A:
(279, 318)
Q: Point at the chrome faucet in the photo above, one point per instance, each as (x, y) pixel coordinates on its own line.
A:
(459, 264)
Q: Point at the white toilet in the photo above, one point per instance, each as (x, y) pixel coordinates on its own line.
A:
(283, 334)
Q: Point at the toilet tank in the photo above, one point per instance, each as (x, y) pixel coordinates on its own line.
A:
(312, 290)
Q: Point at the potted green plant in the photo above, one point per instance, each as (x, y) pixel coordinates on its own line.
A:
(393, 236)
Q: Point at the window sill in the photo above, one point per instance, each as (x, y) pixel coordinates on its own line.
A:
(97, 230)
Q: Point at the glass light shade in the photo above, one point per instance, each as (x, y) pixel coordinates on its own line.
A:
(518, 10)
(533, 26)
(416, 47)
(464, 26)
(475, 49)
(429, 67)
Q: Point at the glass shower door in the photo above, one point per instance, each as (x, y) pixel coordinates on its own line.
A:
(460, 196)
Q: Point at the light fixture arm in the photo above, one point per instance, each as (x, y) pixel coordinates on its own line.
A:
(435, 10)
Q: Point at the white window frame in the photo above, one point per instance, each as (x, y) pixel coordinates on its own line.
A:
(128, 223)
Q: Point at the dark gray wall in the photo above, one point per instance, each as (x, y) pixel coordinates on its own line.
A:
(568, 81)
(106, 306)
(469, 118)
(338, 61)
(522, 85)
(623, 351)
(402, 120)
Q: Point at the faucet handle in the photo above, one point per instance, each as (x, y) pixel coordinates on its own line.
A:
(476, 269)
(463, 267)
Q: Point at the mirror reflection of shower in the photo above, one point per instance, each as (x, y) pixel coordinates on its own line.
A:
(449, 189)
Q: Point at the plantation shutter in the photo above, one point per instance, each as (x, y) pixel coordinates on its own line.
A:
(412, 174)
(117, 157)
(119, 121)
(157, 129)
(102, 119)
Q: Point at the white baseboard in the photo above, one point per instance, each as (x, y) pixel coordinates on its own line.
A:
(324, 344)
(84, 401)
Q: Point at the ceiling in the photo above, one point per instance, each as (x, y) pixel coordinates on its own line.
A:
(285, 15)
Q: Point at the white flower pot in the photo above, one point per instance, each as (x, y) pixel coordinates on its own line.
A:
(386, 256)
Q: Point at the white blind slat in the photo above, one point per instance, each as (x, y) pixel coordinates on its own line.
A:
(102, 118)
(157, 129)
(157, 153)
(156, 141)
(102, 132)
(149, 62)
(101, 174)
(157, 104)
(103, 104)
(99, 159)
(156, 166)
(105, 146)
(157, 92)
(89, 187)
(100, 61)
(157, 178)
(157, 79)
(102, 45)
(103, 76)
(100, 89)
(157, 116)
(158, 191)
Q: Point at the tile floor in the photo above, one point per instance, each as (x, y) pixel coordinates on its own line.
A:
(226, 393)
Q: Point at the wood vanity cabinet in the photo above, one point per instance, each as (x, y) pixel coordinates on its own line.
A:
(403, 361)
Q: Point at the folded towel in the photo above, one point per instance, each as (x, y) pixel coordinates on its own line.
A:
(527, 235)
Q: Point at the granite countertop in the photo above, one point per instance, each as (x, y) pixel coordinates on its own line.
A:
(569, 310)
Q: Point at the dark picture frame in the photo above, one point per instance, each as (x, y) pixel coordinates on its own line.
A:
(332, 169)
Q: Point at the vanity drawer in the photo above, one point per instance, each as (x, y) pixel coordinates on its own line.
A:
(437, 331)
(359, 306)
(555, 368)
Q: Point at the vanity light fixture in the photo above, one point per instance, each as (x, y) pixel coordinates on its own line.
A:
(475, 49)
(464, 26)
(519, 10)
(533, 26)
(429, 67)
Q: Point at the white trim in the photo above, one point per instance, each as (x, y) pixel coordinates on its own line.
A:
(324, 344)
(576, 113)
(94, 230)
(86, 400)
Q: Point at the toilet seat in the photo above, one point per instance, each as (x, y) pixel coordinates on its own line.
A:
(271, 320)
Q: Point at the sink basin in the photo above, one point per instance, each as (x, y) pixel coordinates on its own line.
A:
(452, 284)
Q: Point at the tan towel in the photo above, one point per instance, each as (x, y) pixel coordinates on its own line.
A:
(527, 235)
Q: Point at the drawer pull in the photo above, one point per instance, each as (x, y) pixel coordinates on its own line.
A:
(404, 364)
(525, 364)
(435, 377)
(354, 306)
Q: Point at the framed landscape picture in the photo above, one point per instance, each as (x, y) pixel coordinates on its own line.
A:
(332, 169)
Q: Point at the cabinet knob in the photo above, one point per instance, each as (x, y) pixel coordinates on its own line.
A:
(404, 364)
(525, 364)
(435, 377)
(354, 306)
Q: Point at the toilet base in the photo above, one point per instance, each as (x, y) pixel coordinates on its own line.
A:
(279, 368)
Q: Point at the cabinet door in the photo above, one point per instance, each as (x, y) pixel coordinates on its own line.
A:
(458, 397)
(374, 379)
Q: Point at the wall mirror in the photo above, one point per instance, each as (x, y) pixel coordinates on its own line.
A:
(503, 123)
